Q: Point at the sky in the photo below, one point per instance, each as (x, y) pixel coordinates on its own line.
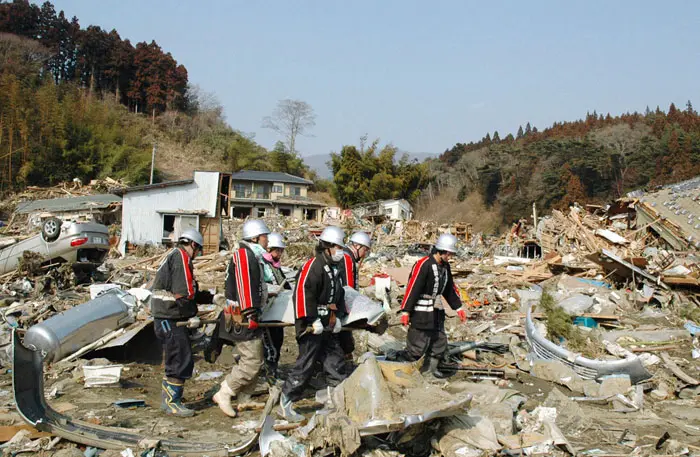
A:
(421, 75)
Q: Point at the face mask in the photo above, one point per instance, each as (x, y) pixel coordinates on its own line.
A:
(275, 262)
(337, 256)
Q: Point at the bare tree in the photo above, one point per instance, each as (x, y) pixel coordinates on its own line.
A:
(291, 118)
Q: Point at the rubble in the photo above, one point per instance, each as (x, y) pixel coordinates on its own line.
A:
(604, 365)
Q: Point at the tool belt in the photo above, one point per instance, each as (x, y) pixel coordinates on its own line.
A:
(327, 311)
(233, 316)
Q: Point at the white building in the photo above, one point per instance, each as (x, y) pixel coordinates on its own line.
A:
(394, 210)
(158, 213)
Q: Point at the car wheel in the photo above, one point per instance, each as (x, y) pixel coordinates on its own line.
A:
(51, 229)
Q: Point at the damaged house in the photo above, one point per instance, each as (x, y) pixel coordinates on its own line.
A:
(673, 213)
(393, 210)
(103, 209)
(266, 193)
(157, 214)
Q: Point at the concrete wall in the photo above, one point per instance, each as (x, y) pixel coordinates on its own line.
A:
(142, 220)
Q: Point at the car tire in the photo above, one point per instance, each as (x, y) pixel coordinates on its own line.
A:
(51, 229)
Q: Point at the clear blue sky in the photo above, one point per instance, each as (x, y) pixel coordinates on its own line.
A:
(422, 75)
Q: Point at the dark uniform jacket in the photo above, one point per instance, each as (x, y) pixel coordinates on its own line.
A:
(427, 282)
(348, 269)
(174, 288)
(245, 286)
(318, 285)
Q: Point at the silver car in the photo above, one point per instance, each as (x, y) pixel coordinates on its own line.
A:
(81, 244)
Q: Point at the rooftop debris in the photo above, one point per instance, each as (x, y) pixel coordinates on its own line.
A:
(583, 338)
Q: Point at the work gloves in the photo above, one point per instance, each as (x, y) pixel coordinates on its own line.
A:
(462, 314)
(317, 327)
(338, 326)
(194, 322)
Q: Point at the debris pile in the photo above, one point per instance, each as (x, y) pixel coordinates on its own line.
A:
(583, 338)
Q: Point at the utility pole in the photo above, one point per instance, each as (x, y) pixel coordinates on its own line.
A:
(153, 161)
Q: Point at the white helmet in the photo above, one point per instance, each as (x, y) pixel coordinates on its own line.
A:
(333, 235)
(275, 240)
(446, 242)
(254, 228)
(192, 235)
(361, 238)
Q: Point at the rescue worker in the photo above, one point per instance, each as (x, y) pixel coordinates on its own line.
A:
(273, 337)
(246, 294)
(174, 300)
(355, 252)
(422, 307)
(319, 304)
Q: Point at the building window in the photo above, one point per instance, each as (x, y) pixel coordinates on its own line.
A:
(262, 192)
(295, 191)
(174, 225)
(241, 191)
(285, 212)
(277, 189)
(261, 212)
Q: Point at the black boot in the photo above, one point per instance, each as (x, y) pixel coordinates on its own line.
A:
(434, 370)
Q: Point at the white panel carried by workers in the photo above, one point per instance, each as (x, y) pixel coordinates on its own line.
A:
(422, 309)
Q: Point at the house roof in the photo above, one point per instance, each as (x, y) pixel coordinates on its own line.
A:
(159, 185)
(58, 205)
(269, 176)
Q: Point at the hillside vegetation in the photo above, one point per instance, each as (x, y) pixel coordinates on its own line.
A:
(592, 160)
(83, 103)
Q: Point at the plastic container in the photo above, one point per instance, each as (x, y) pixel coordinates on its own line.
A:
(586, 322)
(102, 375)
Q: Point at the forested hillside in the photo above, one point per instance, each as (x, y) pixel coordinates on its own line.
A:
(83, 103)
(590, 160)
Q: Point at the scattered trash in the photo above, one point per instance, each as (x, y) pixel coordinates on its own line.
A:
(209, 375)
(102, 375)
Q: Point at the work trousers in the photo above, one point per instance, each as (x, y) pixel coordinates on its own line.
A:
(177, 348)
(325, 348)
(244, 375)
(273, 338)
(429, 342)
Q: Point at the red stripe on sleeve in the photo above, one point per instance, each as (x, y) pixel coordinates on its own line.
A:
(188, 273)
(300, 293)
(414, 274)
(349, 271)
(247, 301)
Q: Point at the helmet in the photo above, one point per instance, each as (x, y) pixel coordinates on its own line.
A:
(192, 235)
(254, 228)
(333, 235)
(446, 242)
(275, 240)
(361, 238)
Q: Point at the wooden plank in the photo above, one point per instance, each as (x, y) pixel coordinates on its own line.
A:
(7, 432)
(680, 374)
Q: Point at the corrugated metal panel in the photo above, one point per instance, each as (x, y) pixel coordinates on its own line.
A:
(141, 219)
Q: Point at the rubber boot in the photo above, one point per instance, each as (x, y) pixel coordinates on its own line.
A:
(172, 400)
(287, 411)
(223, 399)
(433, 368)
